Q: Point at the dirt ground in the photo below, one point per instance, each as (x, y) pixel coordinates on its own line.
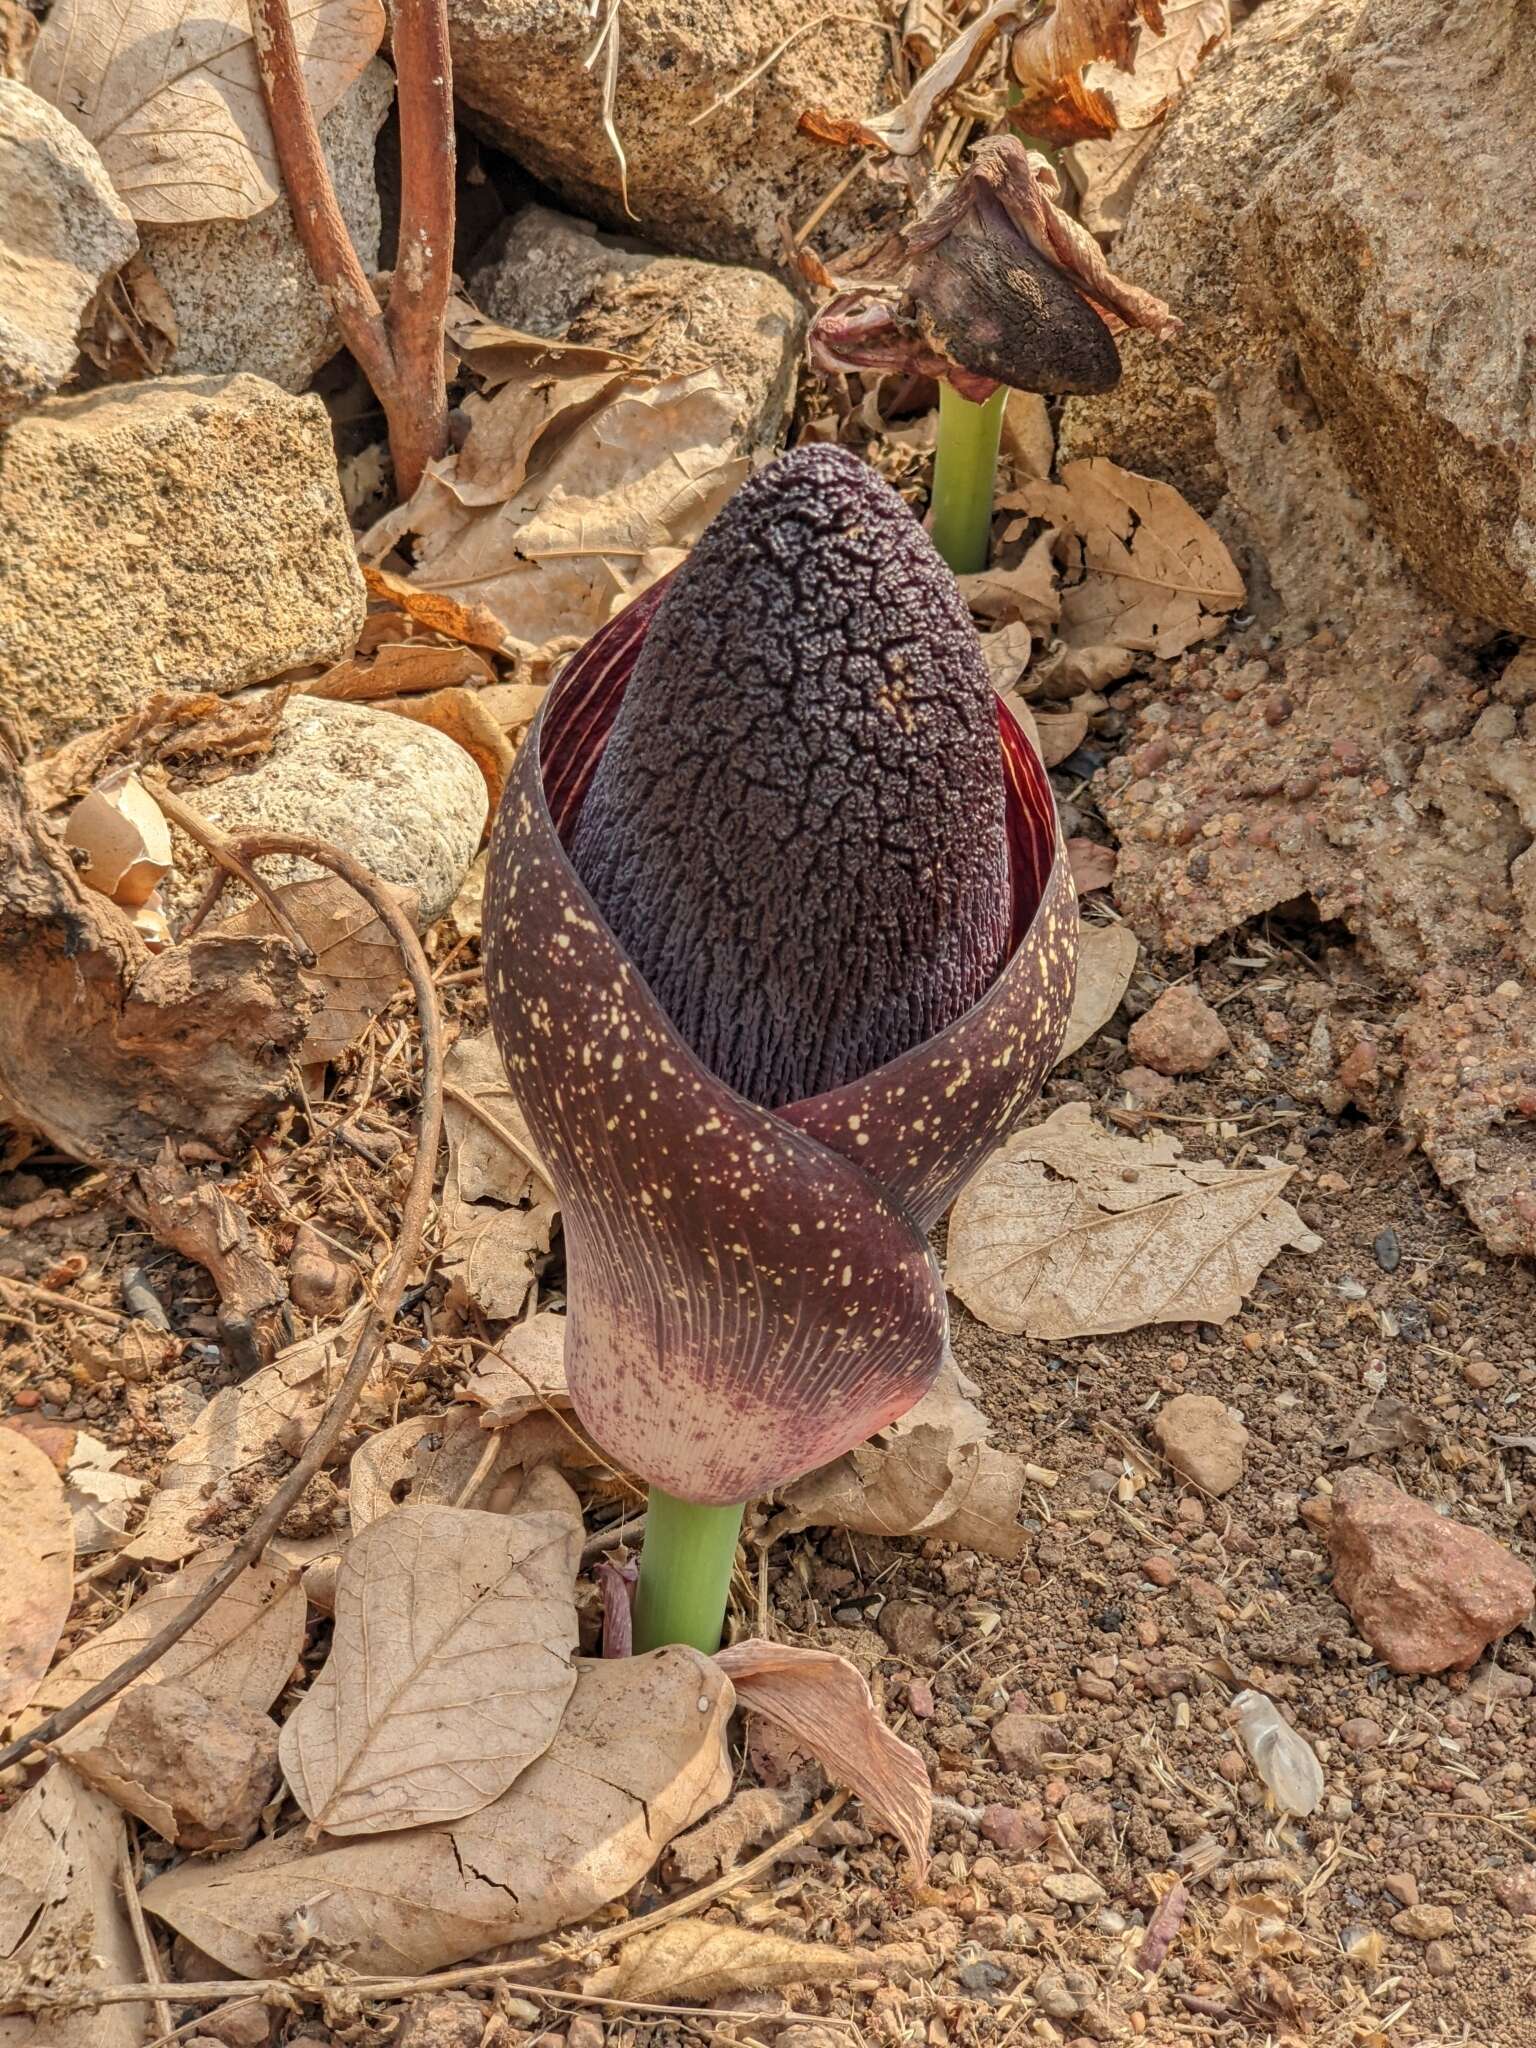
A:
(1136, 1613)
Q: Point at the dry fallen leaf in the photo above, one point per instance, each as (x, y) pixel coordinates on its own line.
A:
(397, 669)
(37, 1564)
(98, 1496)
(1092, 864)
(450, 1666)
(436, 1461)
(825, 1704)
(273, 1410)
(640, 1756)
(498, 1211)
(1059, 733)
(570, 496)
(1026, 592)
(1049, 56)
(752, 1818)
(170, 725)
(497, 353)
(1105, 962)
(62, 1922)
(170, 96)
(1142, 571)
(698, 1962)
(357, 963)
(925, 1474)
(476, 625)
(1105, 170)
(1070, 1231)
(524, 1372)
(129, 329)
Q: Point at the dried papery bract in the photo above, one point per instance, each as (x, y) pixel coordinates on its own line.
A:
(751, 1292)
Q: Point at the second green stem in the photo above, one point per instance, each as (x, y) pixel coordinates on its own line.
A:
(685, 1573)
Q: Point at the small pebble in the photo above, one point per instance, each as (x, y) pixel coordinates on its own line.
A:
(982, 1975)
(1162, 1571)
(1389, 1253)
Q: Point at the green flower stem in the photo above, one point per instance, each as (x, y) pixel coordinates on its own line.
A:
(964, 473)
(685, 1573)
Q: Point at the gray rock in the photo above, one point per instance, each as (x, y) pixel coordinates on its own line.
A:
(720, 188)
(62, 230)
(549, 274)
(1339, 210)
(399, 796)
(242, 290)
(186, 533)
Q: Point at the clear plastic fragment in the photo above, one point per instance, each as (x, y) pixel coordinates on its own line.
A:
(1283, 1758)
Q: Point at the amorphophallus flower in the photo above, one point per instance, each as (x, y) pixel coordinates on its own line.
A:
(994, 287)
(779, 941)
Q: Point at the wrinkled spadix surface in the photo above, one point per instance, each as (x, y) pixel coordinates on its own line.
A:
(796, 831)
(751, 1292)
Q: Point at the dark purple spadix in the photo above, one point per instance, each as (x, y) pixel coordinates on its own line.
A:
(797, 828)
(751, 1291)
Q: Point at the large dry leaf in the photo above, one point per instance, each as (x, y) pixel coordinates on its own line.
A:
(932, 1472)
(1026, 592)
(1106, 960)
(697, 1962)
(170, 97)
(357, 963)
(570, 496)
(1070, 1231)
(62, 1922)
(824, 1702)
(1144, 572)
(524, 1372)
(243, 1649)
(639, 1757)
(399, 668)
(1106, 170)
(450, 1666)
(37, 1567)
(436, 1461)
(498, 1211)
(272, 1412)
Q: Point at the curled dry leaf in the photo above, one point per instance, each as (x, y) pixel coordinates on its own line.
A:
(170, 725)
(122, 838)
(1049, 57)
(109, 1049)
(129, 329)
(62, 1923)
(99, 1497)
(450, 1666)
(170, 96)
(524, 1372)
(1142, 571)
(37, 1562)
(197, 1219)
(570, 496)
(1105, 962)
(357, 964)
(696, 1962)
(498, 1211)
(398, 668)
(1070, 1231)
(825, 1705)
(640, 1755)
(270, 1413)
(497, 354)
(934, 1471)
(1092, 864)
(476, 625)
(1105, 171)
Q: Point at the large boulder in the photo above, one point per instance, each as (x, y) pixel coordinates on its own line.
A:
(186, 533)
(719, 188)
(1340, 209)
(62, 230)
(242, 290)
(548, 274)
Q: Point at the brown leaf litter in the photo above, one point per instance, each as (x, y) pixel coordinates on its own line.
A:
(1070, 1231)
(37, 1556)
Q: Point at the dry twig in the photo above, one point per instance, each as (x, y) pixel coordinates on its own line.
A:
(382, 1309)
(398, 349)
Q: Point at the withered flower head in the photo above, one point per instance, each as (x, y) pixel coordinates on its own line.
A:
(993, 284)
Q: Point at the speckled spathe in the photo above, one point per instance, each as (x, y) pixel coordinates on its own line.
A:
(751, 1293)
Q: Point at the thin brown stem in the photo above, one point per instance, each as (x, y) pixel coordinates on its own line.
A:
(378, 1315)
(400, 351)
(226, 854)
